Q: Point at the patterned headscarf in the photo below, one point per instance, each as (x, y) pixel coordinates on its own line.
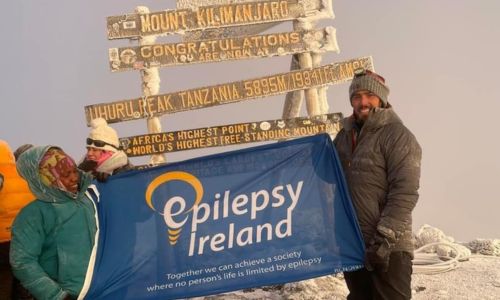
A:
(52, 164)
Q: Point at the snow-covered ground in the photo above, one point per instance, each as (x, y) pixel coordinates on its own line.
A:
(477, 278)
(476, 275)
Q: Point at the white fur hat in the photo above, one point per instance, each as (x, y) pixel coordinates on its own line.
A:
(102, 132)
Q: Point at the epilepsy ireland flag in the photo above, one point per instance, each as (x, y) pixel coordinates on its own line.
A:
(259, 216)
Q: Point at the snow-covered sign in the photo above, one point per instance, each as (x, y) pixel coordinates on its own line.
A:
(267, 45)
(215, 16)
(237, 30)
(231, 134)
(157, 105)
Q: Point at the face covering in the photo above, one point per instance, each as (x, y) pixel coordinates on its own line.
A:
(58, 170)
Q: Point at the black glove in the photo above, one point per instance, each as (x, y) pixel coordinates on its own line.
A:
(69, 297)
(87, 165)
(379, 249)
(101, 176)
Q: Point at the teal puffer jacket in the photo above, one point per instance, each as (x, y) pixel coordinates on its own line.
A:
(53, 236)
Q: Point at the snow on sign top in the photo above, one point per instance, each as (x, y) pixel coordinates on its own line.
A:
(215, 16)
(220, 32)
(254, 46)
(203, 97)
(325, 11)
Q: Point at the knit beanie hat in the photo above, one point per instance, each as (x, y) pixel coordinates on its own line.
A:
(370, 81)
(102, 136)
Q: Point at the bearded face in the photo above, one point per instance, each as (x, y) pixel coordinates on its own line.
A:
(362, 103)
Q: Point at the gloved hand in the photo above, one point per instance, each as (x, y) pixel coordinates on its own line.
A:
(101, 176)
(87, 165)
(379, 250)
(68, 297)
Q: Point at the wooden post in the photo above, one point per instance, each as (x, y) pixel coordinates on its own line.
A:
(293, 100)
(150, 86)
(316, 98)
(322, 100)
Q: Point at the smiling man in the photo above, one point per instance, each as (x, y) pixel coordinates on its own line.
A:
(381, 162)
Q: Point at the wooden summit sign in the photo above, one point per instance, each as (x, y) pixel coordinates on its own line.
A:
(321, 10)
(205, 17)
(232, 134)
(162, 55)
(157, 105)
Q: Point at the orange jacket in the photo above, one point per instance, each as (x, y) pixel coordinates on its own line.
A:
(15, 193)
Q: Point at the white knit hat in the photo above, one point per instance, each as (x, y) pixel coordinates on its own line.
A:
(102, 132)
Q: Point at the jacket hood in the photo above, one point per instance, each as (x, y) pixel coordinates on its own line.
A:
(378, 117)
(28, 167)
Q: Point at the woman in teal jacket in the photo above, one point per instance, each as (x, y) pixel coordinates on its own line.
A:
(53, 236)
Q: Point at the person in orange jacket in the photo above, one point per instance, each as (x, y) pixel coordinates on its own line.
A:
(14, 195)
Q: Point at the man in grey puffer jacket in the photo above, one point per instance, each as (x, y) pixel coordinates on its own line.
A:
(381, 162)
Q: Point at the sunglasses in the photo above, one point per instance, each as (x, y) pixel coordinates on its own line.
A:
(97, 143)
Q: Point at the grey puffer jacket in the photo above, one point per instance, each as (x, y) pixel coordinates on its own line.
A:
(382, 170)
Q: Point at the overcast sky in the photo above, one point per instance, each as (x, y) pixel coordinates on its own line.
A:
(440, 59)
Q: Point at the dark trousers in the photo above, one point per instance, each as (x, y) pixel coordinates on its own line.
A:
(391, 285)
(10, 287)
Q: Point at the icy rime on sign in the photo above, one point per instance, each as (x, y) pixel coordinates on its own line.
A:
(322, 9)
(225, 13)
(156, 105)
(231, 134)
(267, 45)
(180, 21)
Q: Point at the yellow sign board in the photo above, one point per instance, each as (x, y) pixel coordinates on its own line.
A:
(207, 17)
(184, 53)
(233, 134)
(197, 98)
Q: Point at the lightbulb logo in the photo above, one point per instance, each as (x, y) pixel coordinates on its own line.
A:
(175, 219)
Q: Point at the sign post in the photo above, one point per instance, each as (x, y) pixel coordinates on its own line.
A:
(150, 86)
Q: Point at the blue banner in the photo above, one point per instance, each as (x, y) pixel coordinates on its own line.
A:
(259, 216)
